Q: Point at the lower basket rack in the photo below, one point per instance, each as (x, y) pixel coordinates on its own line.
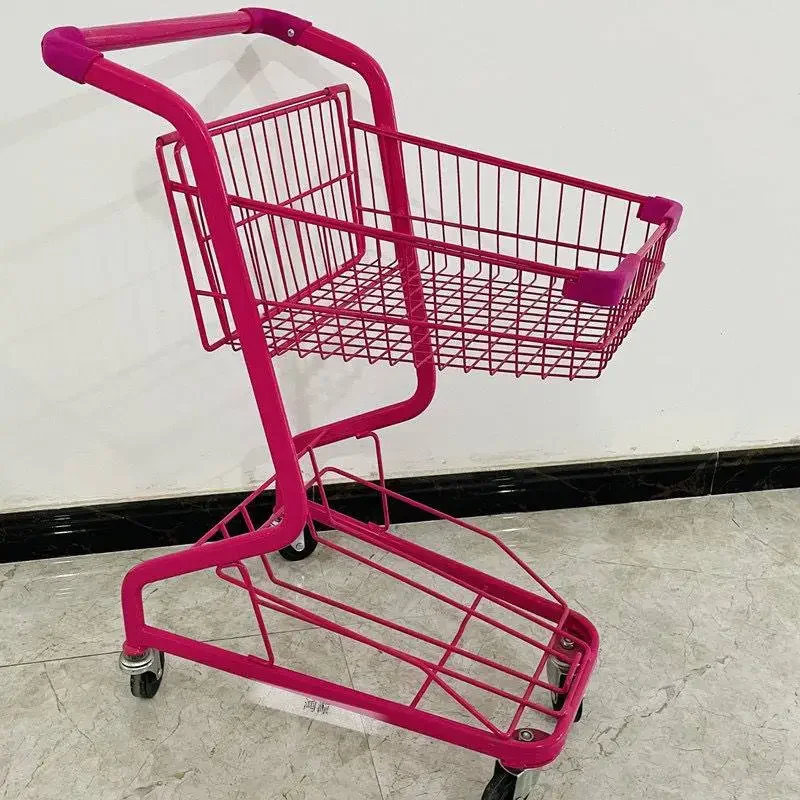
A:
(496, 664)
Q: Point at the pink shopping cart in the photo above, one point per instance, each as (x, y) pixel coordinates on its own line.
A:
(304, 230)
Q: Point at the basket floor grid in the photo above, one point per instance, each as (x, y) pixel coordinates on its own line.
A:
(463, 300)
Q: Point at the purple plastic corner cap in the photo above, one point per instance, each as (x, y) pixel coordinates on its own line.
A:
(658, 210)
(279, 24)
(598, 288)
(64, 50)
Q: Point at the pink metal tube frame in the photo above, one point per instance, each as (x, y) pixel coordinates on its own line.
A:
(77, 54)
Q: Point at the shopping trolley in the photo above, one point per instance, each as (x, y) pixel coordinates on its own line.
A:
(305, 230)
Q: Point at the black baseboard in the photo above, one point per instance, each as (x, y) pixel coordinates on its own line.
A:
(181, 520)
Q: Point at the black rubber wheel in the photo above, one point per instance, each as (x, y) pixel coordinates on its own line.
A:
(146, 684)
(558, 700)
(309, 546)
(501, 786)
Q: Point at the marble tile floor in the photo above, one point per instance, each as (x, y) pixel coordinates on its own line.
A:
(697, 693)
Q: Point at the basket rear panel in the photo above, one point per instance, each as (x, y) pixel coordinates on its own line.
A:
(293, 154)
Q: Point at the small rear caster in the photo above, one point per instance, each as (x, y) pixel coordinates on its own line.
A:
(146, 672)
(508, 785)
(557, 675)
(302, 547)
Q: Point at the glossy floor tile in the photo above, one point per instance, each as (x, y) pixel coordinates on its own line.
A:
(695, 694)
(75, 732)
(66, 607)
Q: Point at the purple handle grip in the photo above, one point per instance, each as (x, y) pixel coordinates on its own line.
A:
(279, 24)
(65, 51)
(72, 51)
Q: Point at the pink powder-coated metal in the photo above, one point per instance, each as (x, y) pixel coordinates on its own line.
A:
(302, 229)
(180, 29)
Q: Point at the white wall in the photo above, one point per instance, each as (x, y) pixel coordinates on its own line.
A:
(105, 392)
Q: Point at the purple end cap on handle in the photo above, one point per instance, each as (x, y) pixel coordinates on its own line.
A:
(65, 51)
(658, 210)
(602, 288)
(279, 24)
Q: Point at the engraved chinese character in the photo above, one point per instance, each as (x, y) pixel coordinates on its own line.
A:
(322, 708)
(310, 705)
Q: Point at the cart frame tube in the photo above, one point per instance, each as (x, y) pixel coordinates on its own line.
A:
(77, 54)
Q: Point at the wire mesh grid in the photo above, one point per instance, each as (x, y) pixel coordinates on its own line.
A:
(494, 243)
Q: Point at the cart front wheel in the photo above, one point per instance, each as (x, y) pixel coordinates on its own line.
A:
(146, 684)
(301, 548)
(500, 787)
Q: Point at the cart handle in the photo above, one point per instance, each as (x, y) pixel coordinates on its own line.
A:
(71, 51)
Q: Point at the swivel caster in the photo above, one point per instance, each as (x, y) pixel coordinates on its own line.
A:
(302, 547)
(509, 785)
(146, 672)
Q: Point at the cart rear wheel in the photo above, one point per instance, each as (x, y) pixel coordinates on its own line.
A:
(146, 684)
(300, 549)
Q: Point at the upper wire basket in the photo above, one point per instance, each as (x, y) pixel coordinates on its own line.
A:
(522, 270)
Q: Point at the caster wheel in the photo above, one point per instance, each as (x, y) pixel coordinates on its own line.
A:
(307, 543)
(506, 785)
(146, 684)
(501, 786)
(558, 699)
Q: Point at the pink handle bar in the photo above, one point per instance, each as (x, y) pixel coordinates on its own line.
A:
(71, 51)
